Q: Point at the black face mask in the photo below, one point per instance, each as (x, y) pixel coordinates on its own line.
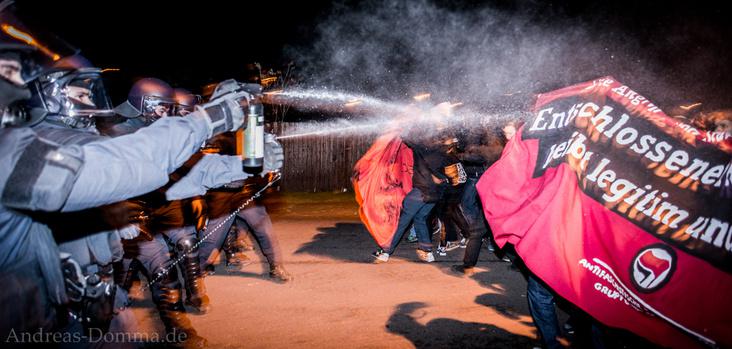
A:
(12, 105)
(11, 93)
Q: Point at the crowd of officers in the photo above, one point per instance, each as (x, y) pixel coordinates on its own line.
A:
(93, 196)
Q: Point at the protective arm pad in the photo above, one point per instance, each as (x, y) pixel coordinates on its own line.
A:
(222, 115)
(216, 119)
(41, 174)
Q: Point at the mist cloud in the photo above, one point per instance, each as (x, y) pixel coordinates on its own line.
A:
(395, 49)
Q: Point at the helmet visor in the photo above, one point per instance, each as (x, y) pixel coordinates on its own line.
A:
(185, 104)
(78, 93)
(157, 107)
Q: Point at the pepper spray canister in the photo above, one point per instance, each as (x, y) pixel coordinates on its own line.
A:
(253, 140)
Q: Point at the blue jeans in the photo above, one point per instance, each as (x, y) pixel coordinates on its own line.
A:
(541, 306)
(413, 209)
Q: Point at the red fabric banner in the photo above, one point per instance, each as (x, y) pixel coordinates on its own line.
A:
(381, 180)
(621, 210)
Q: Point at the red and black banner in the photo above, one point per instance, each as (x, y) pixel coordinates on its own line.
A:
(621, 210)
(381, 180)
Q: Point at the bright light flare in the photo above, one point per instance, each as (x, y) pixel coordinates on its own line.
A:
(690, 106)
(508, 94)
(422, 97)
(28, 39)
(270, 80)
(353, 103)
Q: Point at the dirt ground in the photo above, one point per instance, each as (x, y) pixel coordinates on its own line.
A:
(340, 299)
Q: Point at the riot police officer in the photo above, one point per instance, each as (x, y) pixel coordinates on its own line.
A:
(71, 94)
(149, 99)
(221, 202)
(170, 221)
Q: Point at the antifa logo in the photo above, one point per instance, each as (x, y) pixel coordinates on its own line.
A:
(652, 267)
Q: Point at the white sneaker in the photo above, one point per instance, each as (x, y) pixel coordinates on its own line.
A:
(451, 245)
(463, 243)
(441, 251)
(381, 256)
(425, 256)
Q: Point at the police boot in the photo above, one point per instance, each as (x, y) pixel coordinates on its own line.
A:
(235, 258)
(166, 295)
(279, 274)
(191, 267)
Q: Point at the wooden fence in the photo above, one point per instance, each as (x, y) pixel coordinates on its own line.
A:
(322, 163)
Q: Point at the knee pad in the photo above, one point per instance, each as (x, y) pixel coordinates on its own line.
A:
(186, 244)
(167, 280)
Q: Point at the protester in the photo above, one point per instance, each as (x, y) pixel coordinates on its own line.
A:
(448, 208)
(482, 148)
(429, 181)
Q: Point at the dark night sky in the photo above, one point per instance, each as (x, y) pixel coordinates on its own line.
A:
(187, 45)
(194, 44)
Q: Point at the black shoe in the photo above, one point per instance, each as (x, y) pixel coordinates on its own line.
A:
(237, 261)
(193, 276)
(568, 328)
(201, 305)
(462, 270)
(167, 298)
(279, 274)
